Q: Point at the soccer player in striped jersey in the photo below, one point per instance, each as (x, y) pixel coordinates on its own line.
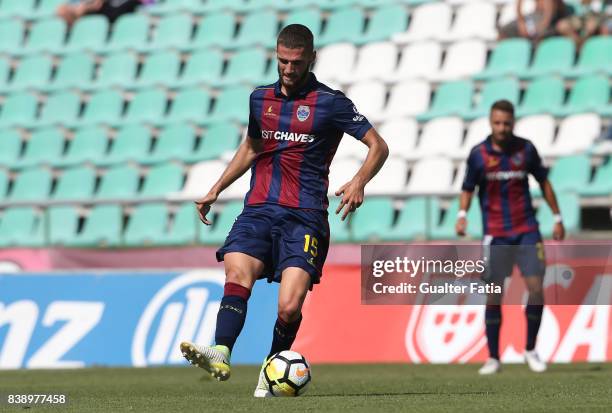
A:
(499, 166)
(282, 235)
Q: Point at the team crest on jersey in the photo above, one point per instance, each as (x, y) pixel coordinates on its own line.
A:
(517, 159)
(303, 112)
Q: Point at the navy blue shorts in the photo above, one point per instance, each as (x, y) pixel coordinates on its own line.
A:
(280, 237)
(502, 253)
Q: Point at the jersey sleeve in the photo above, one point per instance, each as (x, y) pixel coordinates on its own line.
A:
(473, 171)
(254, 129)
(535, 165)
(347, 118)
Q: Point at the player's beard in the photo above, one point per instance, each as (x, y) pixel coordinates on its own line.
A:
(296, 83)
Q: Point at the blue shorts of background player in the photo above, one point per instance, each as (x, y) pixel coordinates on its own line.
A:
(525, 250)
(281, 237)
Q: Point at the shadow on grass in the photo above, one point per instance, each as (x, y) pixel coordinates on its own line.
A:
(425, 393)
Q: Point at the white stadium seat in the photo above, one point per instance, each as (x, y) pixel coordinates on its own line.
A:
(341, 172)
(458, 179)
(440, 136)
(238, 189)
(508, 12)
(477, 132)
(475, 19)
(539, 129)
(375, 61)
(369, 98)
(463, 59)
(391, 179)
(431, 176)
(428, 21)
(408, 98)
(351, 148)
(335, 62)
(576, 134)
(401, 136)
(202, 176)
(419, 60)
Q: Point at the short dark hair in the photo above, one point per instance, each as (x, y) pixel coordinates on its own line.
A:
(503, 105)
(296, 36)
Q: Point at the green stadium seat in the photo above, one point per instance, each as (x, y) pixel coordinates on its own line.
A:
(104, 107)
(271, 74)
(343, 25)
(377, 3)
(543, 95)
(245, 66)
(4, 183)
(602, 182)
(203, 67)
(45, 36)
(102, 227)
(257, 29)
(232, 104)
(44, 146)
(554, 55)
(88, 145)
(185, 226)
(32, 73)
(188, 105)
(162, 180)
(372, 220)
(222, 224)
(310, 18)
(217, 5)
(171, 31)
(510, 57)
(493, 90)
(218, 139)
(446, 229)
(414, 221)
(589, 94)
(5, 69)
(255, 5)
(132, 143)
(215, 29)
(294, 5)
(118, 69)
(120, 182)
(569, 204)
(31, 185)
(74, 71)
(338, 229)
(59, 108)
(175, 142)
(334, 4)
(451, 98)
(173, 6)
(10, 147)
(88, 33)
(16, 9)
(11, 35)
(568, 174)
(160, 68)
(62, 224)
(76, 183)
(130, 31)
(18, 109)
(148, 105)
(384, 22)
(47, 8)
(146, 225)
(595, 57)
(19, 227)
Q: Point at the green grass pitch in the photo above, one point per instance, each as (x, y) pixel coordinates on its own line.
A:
(364, 388)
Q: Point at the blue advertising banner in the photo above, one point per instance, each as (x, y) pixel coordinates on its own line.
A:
(121, 319)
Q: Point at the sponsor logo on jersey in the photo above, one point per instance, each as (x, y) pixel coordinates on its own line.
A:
(287, 136)
(506, 175)
(270, 112)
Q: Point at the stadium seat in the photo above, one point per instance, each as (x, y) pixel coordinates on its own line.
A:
(222, 224)
(245, 66)
(74, 71)
(430, 176)
(338, 229)
(474, 20)
(335, 62)
(568, 174)
(76, 183)
(203, 67)
(120, 182)
(11, 35)
(418, 60)
(510, 57)
(32, 184)
(398, 106)
(372, 220)
(146, 225)
(595, 57)
(215, 29)
(401, 136)
(309, 17)
(415, 220)
(118, 69)
(576, 134)
(602, 182)
(161, 8)
(184, 227)
(45, 36)
(569, 204)
(589, 94)
(341, 172)
(88, 33)
(543, 95)
(451, 98)
(160, 68)
(62, 223)
(4, 181)
(16, 9)
(216, 5)
(5, 69)
(102, 227)
(349, 148)
(175, 142)
(130, 31)
(508, 11)
(132, 143)
(343, 25)
(104, 107)
(162, 180)
(59, 108)
(391, 179)
(428, 21)
(232, 104)
(255, 5)
(19, 227)
(31, 73)
(147, 106)
(540, 130)
(88, 145)
(256, 29)
(46, 8)
(463, 59)
(171, 31)
(446, 228)
(218, 139)
(493, 90)
(43, 146)
(18, 109)
(10, 147)
(201, 175)
(375, 61)
(384, 22)
(188, 105)
(440, 136)
(554, 55)
(369, 98)
(238, 189)
(477, 131)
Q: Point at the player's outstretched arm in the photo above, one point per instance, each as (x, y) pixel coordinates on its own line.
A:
(352, 191)
(240, 163)
(549, 195)
(465, 200)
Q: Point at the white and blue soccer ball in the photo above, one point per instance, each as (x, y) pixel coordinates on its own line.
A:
(287, 374)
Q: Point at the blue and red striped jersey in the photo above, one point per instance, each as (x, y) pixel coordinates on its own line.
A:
(300, 136)
(503, 185)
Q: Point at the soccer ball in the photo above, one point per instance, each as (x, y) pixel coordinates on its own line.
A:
(287, 374)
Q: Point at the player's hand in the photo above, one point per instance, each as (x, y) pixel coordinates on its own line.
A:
(352, 196)
(203, 207)
(558, 231)
(460, 226)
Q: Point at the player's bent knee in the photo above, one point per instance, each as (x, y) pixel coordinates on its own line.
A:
(237, 276)
(289, 310)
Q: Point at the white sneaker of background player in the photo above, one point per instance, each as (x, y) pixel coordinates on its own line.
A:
(262, 389)
(534, 362)
(491, 366)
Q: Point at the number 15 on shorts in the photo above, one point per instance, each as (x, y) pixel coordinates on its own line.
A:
(310, 244)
